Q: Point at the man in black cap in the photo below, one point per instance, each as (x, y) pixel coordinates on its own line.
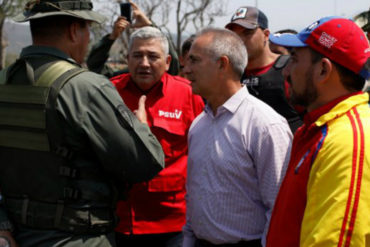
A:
(68, 143)
(263, 75)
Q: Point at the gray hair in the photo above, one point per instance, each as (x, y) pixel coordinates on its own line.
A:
(149, 33)
(227, 43)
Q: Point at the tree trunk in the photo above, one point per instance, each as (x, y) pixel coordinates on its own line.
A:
(178, 28)
(3, 44)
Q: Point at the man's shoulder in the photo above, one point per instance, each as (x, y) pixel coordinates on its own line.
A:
(345, 126)
(198, 123)
(261, 113)
(89, 80)
(281, 61)
(87, 90)
(91, 75)
(276, 66)
(178, 87)
(118, 78)
(178, 81)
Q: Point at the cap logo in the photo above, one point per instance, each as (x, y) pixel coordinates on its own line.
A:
(240, 14)
(327, 40)
(367, 50)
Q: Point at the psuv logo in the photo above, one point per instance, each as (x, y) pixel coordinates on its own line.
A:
(176, 114)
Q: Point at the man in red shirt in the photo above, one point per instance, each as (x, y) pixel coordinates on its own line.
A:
(154, 212)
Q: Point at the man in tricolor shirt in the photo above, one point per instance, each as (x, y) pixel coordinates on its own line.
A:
(324, 199)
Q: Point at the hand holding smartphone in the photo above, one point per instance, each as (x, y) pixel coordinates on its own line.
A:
(126, 11)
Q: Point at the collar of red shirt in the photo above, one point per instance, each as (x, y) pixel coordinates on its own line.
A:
(161, 85)
(259, 71)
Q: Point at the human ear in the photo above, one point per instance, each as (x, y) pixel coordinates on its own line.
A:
(73, 30)
(325, 68)
(168, 61)
(223, 62)
(266, 33)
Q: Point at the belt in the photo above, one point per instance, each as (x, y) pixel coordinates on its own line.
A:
(40, 215)
(250, 243)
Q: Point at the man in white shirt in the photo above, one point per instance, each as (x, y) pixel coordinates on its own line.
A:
(239, 148)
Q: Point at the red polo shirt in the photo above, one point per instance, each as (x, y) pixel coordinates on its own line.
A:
(158, 206)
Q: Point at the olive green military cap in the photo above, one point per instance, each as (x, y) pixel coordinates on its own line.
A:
(82, 9)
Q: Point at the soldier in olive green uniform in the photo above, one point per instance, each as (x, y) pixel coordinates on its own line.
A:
(67, 140)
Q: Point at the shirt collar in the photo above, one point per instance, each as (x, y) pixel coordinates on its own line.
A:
(258, 71)
(232, 104)
(335, 108)
(161, 83)
(35, 50)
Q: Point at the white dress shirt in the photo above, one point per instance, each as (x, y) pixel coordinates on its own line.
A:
(237, 160)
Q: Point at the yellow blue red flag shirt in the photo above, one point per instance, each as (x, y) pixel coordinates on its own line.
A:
(324, 199)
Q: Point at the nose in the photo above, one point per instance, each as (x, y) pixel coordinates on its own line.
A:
(145, 61)
(186, 69)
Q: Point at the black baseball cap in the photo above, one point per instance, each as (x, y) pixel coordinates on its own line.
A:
(248, 17)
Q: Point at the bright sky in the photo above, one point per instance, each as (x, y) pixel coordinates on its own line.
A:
(298, 14)
(282, 14)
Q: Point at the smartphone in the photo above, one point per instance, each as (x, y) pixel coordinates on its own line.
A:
(126, 11)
